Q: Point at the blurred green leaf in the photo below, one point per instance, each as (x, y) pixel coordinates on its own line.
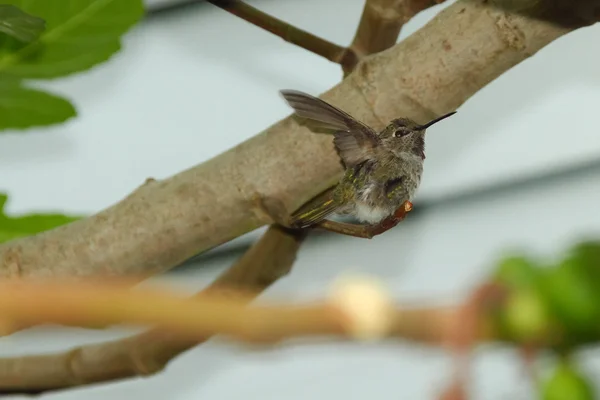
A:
(79, 34)
(567, 383)
(517, 271)
(587, 256)
(559, 305)
(527, 315)
(573, 299)
(20, 25)
(15, 227)
(22, 107)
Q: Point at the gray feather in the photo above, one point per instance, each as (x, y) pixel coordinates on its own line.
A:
(353, 140)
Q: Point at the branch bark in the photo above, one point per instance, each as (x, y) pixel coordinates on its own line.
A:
(163, 223)
(266, 261)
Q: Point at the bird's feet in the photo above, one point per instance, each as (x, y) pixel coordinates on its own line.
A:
(367, 231)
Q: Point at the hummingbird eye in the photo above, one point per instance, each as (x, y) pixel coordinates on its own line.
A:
(401, 132)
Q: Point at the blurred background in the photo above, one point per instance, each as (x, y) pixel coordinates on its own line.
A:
(517, 167)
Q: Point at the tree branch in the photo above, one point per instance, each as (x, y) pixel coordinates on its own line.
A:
(149, 352)
(266, 261)
(380, 25)
(287, 32)
(163, 223)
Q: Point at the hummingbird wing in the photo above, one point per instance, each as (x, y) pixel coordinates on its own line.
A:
(315, 210)
(354, 141)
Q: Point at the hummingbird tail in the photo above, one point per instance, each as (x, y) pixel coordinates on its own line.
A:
(315, 211)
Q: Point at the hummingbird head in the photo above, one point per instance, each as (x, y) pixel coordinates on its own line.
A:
(403, 135)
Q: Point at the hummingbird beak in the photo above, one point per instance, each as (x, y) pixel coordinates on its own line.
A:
(435, 121)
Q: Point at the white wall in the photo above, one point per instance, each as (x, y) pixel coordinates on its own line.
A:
(189, 85)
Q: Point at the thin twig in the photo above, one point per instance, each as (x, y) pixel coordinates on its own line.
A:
(356, 313)
(284, 30)
(106, 303)
(147, 353)
(379, 27)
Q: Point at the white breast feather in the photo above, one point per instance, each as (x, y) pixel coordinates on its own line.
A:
(371, 215)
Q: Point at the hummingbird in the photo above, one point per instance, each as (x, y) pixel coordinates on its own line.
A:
(382, 169)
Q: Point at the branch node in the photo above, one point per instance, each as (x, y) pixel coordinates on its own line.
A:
(273, 208)
(366, 304)
(71, 371)
(145, 367)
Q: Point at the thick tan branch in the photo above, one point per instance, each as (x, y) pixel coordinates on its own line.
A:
(268, 260)
(434, 71)
(287, 32)
(380, 25)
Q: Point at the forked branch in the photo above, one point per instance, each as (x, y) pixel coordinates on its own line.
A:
(382, 20)
(378, 30)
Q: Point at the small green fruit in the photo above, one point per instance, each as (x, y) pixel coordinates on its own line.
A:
(526, 316)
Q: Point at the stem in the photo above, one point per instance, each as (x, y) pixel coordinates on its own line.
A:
(287, 32)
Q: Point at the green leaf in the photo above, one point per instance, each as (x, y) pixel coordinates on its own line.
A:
(79, 35)
(27, 225)
(587, 257)
(517, 271)
(22, 107)
(19, 24)
(567, 383)
(572, 295)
